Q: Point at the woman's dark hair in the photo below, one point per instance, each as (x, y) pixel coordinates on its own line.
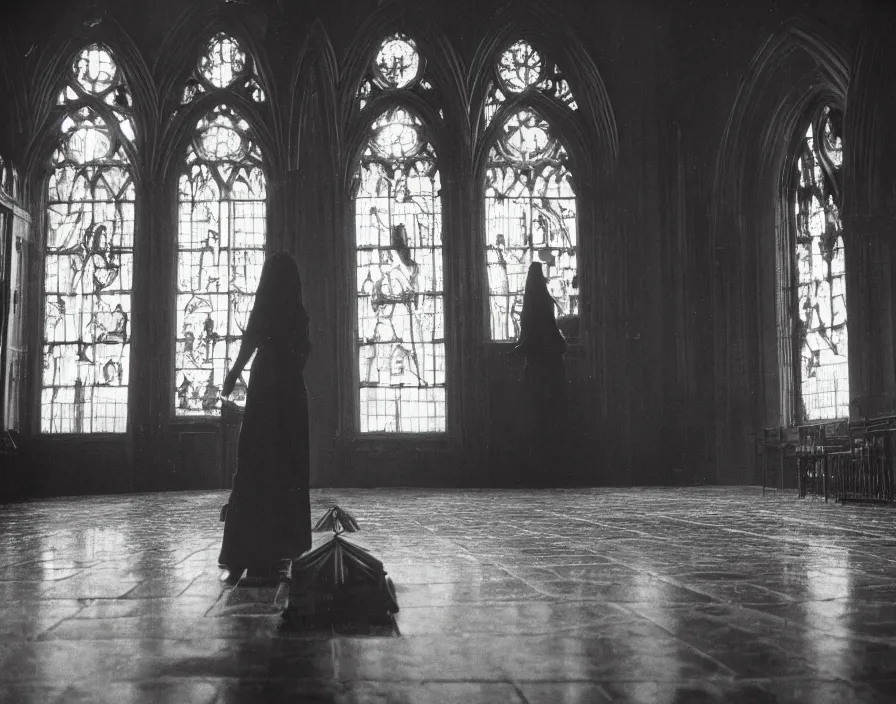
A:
(278, 305)
(538, 324)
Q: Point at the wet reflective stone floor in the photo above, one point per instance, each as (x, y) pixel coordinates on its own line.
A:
(551, 596)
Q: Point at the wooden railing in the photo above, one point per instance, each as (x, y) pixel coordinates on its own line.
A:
(848, 462)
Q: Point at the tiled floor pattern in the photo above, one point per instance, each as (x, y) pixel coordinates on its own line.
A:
(555, 597)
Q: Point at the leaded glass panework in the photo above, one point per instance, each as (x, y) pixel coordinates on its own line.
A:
(400, 313)
(821, 276)
(221, 240)
(224, 64)
(88, 264)
(521, 68)
(397, 65)
(530, 215)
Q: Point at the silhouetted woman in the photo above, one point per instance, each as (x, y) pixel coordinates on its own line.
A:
(268, 518)
(544, 377)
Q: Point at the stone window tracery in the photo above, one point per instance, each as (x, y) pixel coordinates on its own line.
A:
(530, 200)
(88, 261)
(222, 193)
(398, 249)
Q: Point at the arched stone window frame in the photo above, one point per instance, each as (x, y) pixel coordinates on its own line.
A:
(372, 98)
(797, 68)
(788, 305)
(62, 99)
(192, 98)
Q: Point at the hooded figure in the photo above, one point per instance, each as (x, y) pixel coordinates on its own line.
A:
(544, 377)
(268, 518)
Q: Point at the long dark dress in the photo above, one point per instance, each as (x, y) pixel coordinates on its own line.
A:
(268, 517)
(544, 376)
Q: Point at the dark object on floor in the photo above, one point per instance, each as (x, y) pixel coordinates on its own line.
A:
(339, 581)
(337, 520)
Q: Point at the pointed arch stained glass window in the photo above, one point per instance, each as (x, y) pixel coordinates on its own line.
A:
(530, 200)
(221, 249)
(820, 269)
(521, 69)
(224, 65)
(397, 65)
(398, 245)
(530, 215)
(88, 262)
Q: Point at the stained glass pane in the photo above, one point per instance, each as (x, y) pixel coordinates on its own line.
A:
(530, 210)
(397, 62)
(88, 266)
(221, 238)
(222, 62)
(95, 70)
(520, 66)
(564, 93)
(398, 245)
(821, 272)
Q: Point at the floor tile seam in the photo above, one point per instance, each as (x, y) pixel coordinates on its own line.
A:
(78, 572)
(189, 584)
(724, 621)
(555, 600)
(827, 525)
(821, 677)
(190, 555)
(526, 582)
(511, 682)
(220, 597)
(766, 641)
(660, 577)
(787, 599)
(40, 636)
(569, 633)
(564, 635)
(869, 640)
(516, 689)
(795, 541)
(686, 644)
(714, 679)
(598, 685)
(20, 563)
(864, 602)
(560, 514)
(479, 604)
(457, 547)
(781, 678)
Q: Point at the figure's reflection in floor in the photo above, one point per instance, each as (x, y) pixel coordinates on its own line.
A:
(354, 627)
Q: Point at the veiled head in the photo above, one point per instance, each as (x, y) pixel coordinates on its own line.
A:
(279, 295)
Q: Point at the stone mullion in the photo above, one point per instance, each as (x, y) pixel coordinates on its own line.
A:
(154, 321)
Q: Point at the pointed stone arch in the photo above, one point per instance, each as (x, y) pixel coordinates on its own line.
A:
(798, 68)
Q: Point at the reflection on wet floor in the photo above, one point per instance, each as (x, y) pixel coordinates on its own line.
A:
(642, 595)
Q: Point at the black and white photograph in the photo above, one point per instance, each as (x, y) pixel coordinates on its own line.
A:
(448, 351)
